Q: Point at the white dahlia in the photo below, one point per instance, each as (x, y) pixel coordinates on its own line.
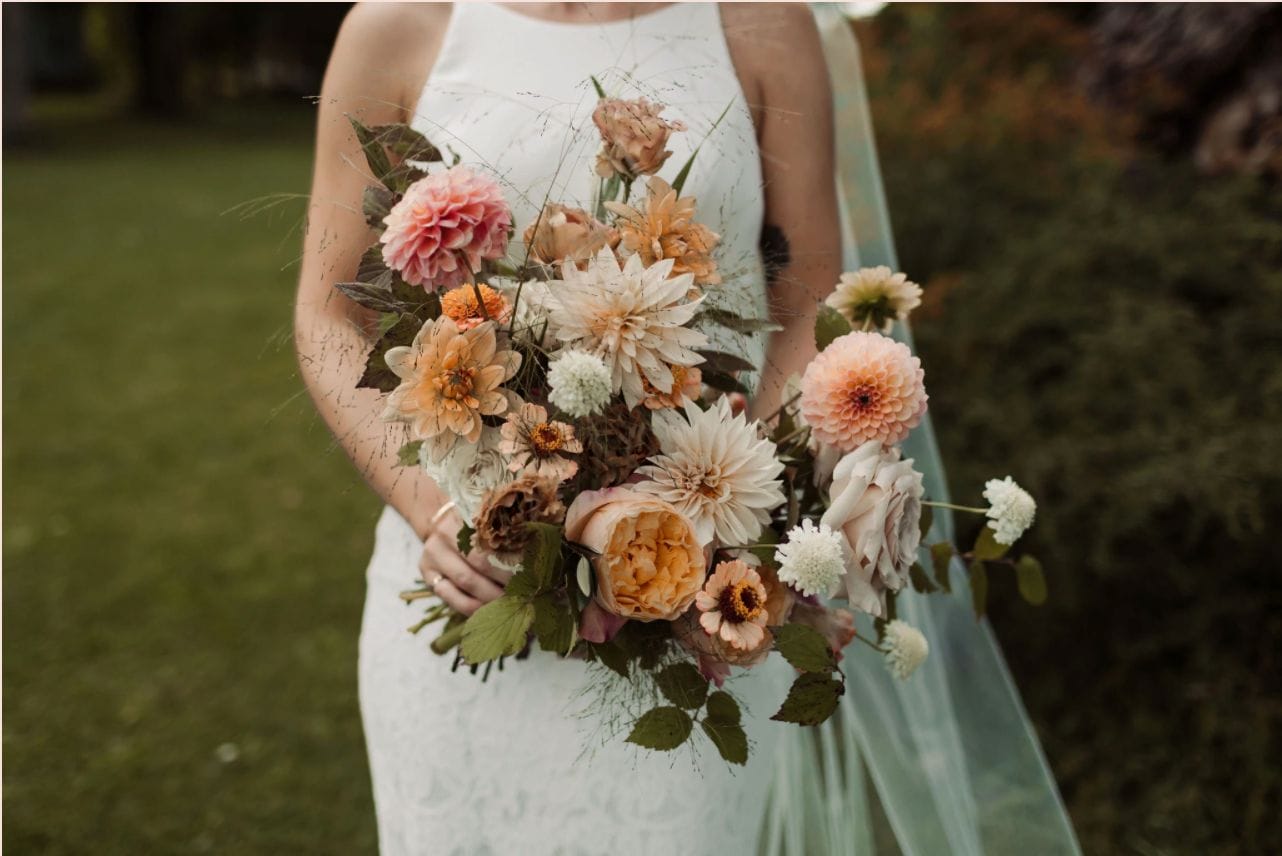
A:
(906, 648)
(1011, 508)
(715, 468)
(469, 471)
(633, 317)
(579, 383)
(875, 298)
(813, 559)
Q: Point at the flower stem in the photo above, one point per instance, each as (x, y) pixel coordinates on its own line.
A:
(449, 639)
(956, 507)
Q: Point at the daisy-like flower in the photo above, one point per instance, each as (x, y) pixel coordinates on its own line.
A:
(579, 383)
(813, 559)
(534, 444)
(633, 317)
(450, 378)
(716, 469)
(461, 304)
(863, 387)
(445, 225)
(687, 383)
(875, 298)
(663, 227)
(1011, 509)
(906, 648)
(733, 605)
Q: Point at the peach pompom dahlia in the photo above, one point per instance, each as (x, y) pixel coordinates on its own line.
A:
(444, 226)
(461, 304)
(863, 387)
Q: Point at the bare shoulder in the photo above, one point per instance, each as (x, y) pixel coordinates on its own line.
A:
(777, 53)
(385, 51)
(770, 29)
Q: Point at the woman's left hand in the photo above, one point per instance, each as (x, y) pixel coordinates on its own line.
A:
(465, 583)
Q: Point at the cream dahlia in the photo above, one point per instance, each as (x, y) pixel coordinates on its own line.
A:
(535, 444)
(875, 298)
(469, 471)
(663, 227)
(444, 226)
(717, 470)
(863, 387)
(733, 605)
(450, 378)
(632, 317)
(687, 383)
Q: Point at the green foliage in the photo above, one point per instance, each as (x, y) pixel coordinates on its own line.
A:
(979, 588)
(464, 539)
(554, 624)
(729, 738)
(682, 685)
(829, 325)
(941, 557)
(805, 648)
(986, 546)
(542, 558)
(1031, 579)
(407, 455)
(811, 699)
(662, 728)
(377, 375)
(497, 629)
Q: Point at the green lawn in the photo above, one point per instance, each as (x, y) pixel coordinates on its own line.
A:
(183, 546)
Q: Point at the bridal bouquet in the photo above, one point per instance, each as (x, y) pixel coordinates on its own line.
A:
(574, 408)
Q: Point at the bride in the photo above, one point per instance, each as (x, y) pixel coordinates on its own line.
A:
(461, 765)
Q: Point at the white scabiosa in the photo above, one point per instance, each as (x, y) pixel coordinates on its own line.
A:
(905, 648)
(579, 383)
(813, 560)
(1011, 509)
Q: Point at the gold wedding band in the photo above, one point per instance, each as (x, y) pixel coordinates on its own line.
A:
(441, 512)
(435, 582)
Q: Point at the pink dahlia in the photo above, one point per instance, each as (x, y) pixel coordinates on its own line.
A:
(444, 226)
(863, 387)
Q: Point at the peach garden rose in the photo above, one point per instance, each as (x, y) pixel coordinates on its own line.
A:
(650, 565)
(634, 135)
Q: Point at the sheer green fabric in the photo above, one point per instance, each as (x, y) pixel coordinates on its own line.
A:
(948, 757)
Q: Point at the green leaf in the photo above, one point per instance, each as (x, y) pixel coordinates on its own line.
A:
(927, 518)
(373, 269)
(891, 610)
(680, 181)
(407, 455)
(723, 381)
(663, 728)
(376, 297)
(738, 323)
(921, 582)
(682, 685)
(497, 629)
(542, 558)
(583, 576)
(377, 375)
(723, 708)
(613, 657)
(730, 739)
(941, 556)
(405, 142)
(596, 84)
(1031, 580)
(465, 539)
(375, 154)
(979, 587)
(522, 586)
(720, 361)
(986, 546)
(811, 700)
(554, 624)
(829, 325)
(376, 202)
(805, 648)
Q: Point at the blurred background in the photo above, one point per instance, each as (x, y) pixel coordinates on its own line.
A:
(1089, 195)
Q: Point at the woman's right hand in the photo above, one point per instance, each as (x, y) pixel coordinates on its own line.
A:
(465, 583)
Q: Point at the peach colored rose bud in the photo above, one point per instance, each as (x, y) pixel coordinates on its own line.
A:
(650, 565)
(562, 234)
(635, 137)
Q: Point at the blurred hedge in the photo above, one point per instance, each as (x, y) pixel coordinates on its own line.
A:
(1107, 327)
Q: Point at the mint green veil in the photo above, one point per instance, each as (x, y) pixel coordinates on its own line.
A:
(947, 761)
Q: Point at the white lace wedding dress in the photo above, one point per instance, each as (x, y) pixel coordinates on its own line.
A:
(462, 766)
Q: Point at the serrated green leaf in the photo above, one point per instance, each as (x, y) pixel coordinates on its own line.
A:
(723, 708)
(377, 375)
(927, 518)
(724, 382)
(986, 546)
(407, 455)
(682, 685)
(921, 582)
(1031, 580)
(376, 202)
(542, 557)
(829, 325)
(720, 361)
(941, 557)
(465, 539)
(730, 739)
(376, 297)
(522, 586)
(979, 587)
(497, 629)
(811, 700)
(554, 624)
(738, 323)
(612, 657)
(405, 142)
(805, 648)
(375, 154)
(373, 270)
(663, 728)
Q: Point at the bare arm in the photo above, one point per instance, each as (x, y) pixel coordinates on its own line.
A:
(364, 79)
(777, 48)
